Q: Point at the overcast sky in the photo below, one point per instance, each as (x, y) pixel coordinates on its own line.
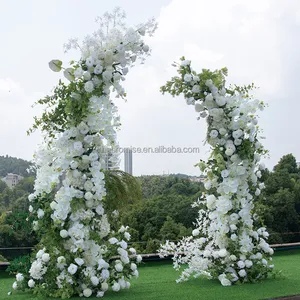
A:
(258, 40)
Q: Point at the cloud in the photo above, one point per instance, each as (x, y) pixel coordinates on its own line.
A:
(16, 116)
(258, 41)
(8, 85)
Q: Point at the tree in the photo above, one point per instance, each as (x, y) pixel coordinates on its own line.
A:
(281, 200)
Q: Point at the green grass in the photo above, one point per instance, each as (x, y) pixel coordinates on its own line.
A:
(157, 282)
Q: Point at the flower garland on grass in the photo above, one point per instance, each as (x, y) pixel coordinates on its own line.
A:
(79, 253)
(227, 243)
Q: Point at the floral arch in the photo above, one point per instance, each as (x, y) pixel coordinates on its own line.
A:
(228, 242)
(77, 240)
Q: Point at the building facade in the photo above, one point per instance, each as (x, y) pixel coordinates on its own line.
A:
(12, 179)
(128, 160)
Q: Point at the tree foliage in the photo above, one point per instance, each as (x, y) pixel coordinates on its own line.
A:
(280, 200)
(14, 165)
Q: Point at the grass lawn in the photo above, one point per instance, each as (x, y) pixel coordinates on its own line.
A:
(157, 282)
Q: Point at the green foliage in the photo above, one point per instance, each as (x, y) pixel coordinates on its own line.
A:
(171, 230)
(157, 281)
(154, 185)
(177, 85)
(164, 213)
(2, 258)
(20, 264)
(15, 229)
(122, 190)
(14, 165)
(68, 105)
(279, 202)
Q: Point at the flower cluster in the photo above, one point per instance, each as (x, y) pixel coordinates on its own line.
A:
(79, 252)
(227, 243)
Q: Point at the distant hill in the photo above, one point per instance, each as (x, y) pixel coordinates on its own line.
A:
(179, 184)
(14, 165)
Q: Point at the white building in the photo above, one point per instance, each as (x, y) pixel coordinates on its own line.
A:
(12, 179)
(128, 160)
(112, 161)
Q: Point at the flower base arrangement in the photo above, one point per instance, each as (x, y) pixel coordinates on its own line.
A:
(227, 243)
(80, 252)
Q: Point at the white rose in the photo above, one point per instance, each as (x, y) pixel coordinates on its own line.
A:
(61, 260)
(100, 294)
(72, 269)
(79, 261)
(74, 164)
(222, 252)
(15, 285)
(78, 72)
(127, 235)
(89, 86)
(210, 201)
(221, 101)
(132, 250)
(119, 267)
(195, 232)
(234, 237)
(31, 283)
(88, 196)
(87, 75)
(113, 240)
(214, 133)
(122, 229)
(224, 281)
(40, 213)
(45, 257)
(146, 48)
(107, 75)
(139, 259)
(185, 63)
(123, 244)
(196, 88)
(222, 131)
(116, 287)
(64, 233)
(95, 280)
(87, 293)
(19, 277)
(98, 69)
(242, 273)
(40, 253)
(77, 145)
(133, 266)
(104, 286)
(248, 263)
(241, 264)
(105, 274)
(187, 77)
(233, 257)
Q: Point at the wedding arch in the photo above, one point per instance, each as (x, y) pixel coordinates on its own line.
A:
(79, 124)
(228, 243)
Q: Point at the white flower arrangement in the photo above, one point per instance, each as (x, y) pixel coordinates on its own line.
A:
(226, 243)
(77, 241)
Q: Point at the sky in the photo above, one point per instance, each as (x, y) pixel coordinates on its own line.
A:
(258, 41)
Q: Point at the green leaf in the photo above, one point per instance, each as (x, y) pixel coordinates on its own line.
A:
(69, 74)
(55, 65)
